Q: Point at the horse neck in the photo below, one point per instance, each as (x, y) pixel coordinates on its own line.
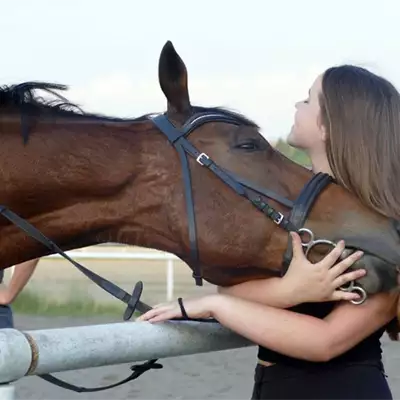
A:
(68, 181)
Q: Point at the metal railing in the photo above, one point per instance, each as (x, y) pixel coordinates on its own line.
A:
(65, 349)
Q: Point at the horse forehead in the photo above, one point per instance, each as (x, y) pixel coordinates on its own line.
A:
(225, 130)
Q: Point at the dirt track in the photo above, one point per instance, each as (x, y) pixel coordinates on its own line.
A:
(220, 375)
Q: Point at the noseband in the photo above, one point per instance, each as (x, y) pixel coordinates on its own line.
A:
(299, 209)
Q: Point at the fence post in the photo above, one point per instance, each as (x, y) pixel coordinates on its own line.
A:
(170, 279)
(7, 391)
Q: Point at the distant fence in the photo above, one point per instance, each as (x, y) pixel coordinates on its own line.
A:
(103, 254)
(54, 350)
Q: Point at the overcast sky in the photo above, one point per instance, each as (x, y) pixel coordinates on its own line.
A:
(254, 56)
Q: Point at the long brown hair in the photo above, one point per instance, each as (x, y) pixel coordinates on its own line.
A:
(361, 113)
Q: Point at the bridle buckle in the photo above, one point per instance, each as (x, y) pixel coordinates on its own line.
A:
(200, 156)
(278, 220)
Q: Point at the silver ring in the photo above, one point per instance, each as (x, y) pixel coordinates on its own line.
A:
(348, 287)
(305, 230)
(317, 242)
(361, 292)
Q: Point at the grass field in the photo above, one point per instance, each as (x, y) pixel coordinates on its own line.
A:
(31, 303)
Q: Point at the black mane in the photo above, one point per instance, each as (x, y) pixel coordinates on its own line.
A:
(23, 97)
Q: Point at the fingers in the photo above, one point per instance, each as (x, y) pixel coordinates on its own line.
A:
(339, 295)
(146, 316)
(164, 316)
(296, 245)
(161, 313)
(333, 256)
(346, 278)
(343, 265)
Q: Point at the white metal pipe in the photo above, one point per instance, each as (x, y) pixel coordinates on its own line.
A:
(15, 354)
(82, 347)
(7, 392)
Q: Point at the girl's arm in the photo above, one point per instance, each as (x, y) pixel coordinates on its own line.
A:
(20, 278)
(287, 332)
(302, 336)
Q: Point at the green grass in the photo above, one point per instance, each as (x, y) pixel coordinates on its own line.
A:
(296, 155)
(29, 302)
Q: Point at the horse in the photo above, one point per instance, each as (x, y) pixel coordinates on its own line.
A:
(199, 182)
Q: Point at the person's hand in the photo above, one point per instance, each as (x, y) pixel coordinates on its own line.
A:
(199, 307)
(318, 282)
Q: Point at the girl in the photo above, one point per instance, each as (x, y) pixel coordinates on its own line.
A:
(350, 128)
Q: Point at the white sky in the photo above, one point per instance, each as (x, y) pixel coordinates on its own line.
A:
(255, 56)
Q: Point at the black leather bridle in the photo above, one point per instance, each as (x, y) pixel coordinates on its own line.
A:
(259, 197)
(300, 208)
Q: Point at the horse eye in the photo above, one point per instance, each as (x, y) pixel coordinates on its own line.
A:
(249, 145)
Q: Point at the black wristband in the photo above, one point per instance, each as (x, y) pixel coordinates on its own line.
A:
(183, 311)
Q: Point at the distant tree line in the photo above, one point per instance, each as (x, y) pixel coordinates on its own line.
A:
(295, 155)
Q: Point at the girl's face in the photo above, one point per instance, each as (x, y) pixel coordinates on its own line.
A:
(307, 133)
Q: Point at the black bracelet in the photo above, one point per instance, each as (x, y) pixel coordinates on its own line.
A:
(183, 311)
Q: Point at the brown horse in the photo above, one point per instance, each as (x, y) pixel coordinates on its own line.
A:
(84, 179)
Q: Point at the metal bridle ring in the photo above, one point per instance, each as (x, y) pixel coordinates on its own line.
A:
(361, 292)
(348, 287)
(310, 233)
(317, 242)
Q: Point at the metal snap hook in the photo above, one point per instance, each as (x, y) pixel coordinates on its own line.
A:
(361, 292)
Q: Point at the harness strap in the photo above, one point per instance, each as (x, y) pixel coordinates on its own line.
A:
(302, 207)
(137, 371)
(178, 138)
(131, 301)
(194, 252)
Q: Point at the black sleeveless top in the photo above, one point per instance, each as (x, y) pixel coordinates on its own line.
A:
(368, 349)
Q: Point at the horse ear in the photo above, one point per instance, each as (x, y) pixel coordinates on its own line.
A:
(172, 75)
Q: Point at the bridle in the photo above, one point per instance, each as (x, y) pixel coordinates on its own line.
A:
(179, 139)
(299, 210)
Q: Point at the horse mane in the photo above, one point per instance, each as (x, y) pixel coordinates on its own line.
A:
(22, 96)
(27, 102)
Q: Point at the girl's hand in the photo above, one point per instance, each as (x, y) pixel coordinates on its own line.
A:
(199, 307)
(320, 282)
